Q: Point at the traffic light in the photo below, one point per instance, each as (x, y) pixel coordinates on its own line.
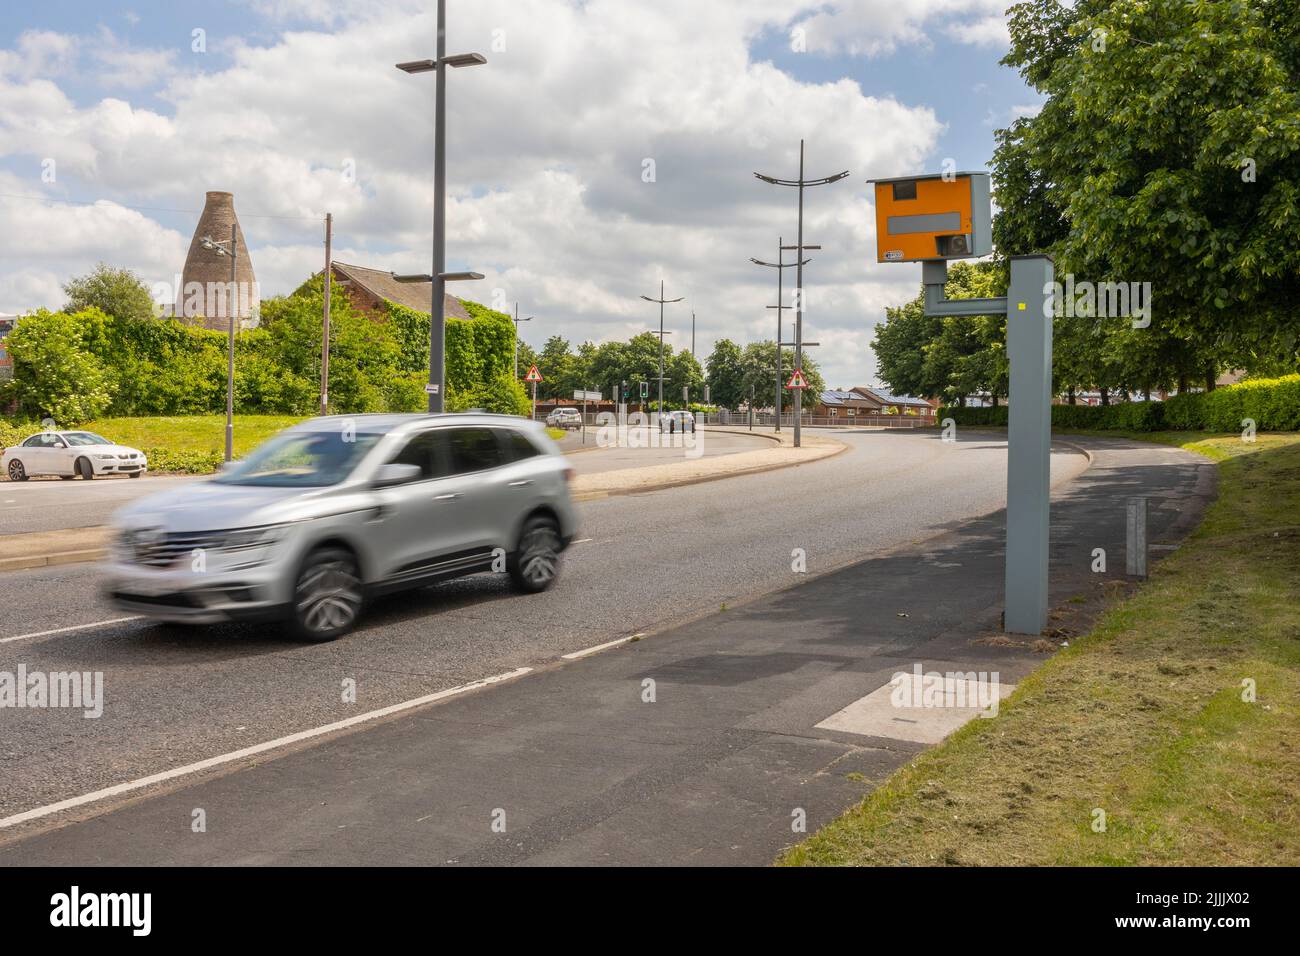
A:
(624, 393)
(645, 390)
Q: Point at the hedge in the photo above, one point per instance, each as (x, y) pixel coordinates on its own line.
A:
(1273, 404)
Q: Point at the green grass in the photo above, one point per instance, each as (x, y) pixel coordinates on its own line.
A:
(1144, 718)
(193, 444)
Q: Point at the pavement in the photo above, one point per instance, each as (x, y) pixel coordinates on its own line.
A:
(569, 756)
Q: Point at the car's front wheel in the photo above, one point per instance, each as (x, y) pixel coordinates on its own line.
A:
(16, 471)
(536, 559)
(327, 595)
(85, 469)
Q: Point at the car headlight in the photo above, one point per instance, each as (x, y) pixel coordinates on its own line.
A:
(250, 539)
(105, 457)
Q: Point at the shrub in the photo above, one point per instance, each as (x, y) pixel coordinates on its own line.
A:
(1273, 404)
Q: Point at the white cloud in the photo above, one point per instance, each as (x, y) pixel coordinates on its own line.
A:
(546, 145)
(878, 27)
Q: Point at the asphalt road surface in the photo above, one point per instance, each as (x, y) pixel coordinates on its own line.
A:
(48, 504)
(175, 695)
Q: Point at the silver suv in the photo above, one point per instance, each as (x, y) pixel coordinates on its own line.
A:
(335, 510)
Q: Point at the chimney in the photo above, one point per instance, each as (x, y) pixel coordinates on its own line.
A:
(205, 295)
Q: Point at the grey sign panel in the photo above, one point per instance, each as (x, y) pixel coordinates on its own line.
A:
(932, 222)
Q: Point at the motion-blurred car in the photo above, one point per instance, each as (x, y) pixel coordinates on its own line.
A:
(564, 418)
(68, 454)
(677, 422)
(336, 510)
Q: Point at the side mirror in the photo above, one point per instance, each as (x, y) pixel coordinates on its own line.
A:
(395, 474)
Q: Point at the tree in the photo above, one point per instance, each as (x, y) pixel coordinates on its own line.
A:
(55, 375)
(726, 375)
(116, 292)
(758, 372)
(1167, 152)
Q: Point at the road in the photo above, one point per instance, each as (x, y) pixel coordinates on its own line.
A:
(48, 504)
(642, 562)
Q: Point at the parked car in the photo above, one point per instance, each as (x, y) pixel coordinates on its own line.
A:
(68, 454)
(333, 511)
(564, 418)
(677, 422)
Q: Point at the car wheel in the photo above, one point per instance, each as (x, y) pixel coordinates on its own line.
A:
(85, 469)
(536, 559)
(136, 474)
(16, 471)
(327, 595)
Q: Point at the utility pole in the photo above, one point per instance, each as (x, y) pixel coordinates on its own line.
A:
(800, 183)
(233, 308)
(692, 333)
(325, 328)
(780, 266)
(662, 302)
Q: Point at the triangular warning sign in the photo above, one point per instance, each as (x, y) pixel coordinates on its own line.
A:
(797, 380)
(533, 375)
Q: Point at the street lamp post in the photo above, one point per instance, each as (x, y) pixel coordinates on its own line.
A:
(662, 302)
(801, 183)
(517, 321)
(780, 266)
(438, 320)
(232, 307)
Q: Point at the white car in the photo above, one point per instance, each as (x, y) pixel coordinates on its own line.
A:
(677, 422)
(68, 454)
(565, 418)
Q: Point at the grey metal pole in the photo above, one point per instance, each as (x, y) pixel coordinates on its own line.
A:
(437, 320)
(1136, 551)
(232, 306)
(1029, 441)
(692, 333)
(325, 327)
(516, 341)
(798, 312)
(661, 347)
(780, 277)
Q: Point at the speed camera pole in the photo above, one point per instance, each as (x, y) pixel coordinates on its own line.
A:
(799, 247)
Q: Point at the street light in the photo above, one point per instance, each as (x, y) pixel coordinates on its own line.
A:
(662, 302)
(780, 266)
(232, 306)
(437, 318)
(799, 248)
(517, 321)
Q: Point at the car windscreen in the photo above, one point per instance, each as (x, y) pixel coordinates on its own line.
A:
(301, 459)
(78, 439)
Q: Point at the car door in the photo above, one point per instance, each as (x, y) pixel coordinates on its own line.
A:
(60, 456)
(474, 491)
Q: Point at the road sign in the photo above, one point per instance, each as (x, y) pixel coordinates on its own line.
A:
(797, 380)
(581, 396)
(533, 375)
(431, 389)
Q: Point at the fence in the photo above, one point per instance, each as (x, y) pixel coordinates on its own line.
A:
(768, 419)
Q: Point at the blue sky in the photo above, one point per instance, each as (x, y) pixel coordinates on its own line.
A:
(547, 149)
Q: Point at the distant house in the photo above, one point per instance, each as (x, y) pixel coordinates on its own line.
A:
(368, 288)
(864, 402)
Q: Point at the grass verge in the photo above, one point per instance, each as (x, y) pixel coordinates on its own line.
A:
(1147, 719)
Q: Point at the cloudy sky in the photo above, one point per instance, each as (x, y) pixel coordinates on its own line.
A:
(116, 117)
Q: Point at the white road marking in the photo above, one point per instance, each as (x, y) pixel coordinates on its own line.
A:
(142, 782)
(64, 630)
(582, 540)
(576, 655)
